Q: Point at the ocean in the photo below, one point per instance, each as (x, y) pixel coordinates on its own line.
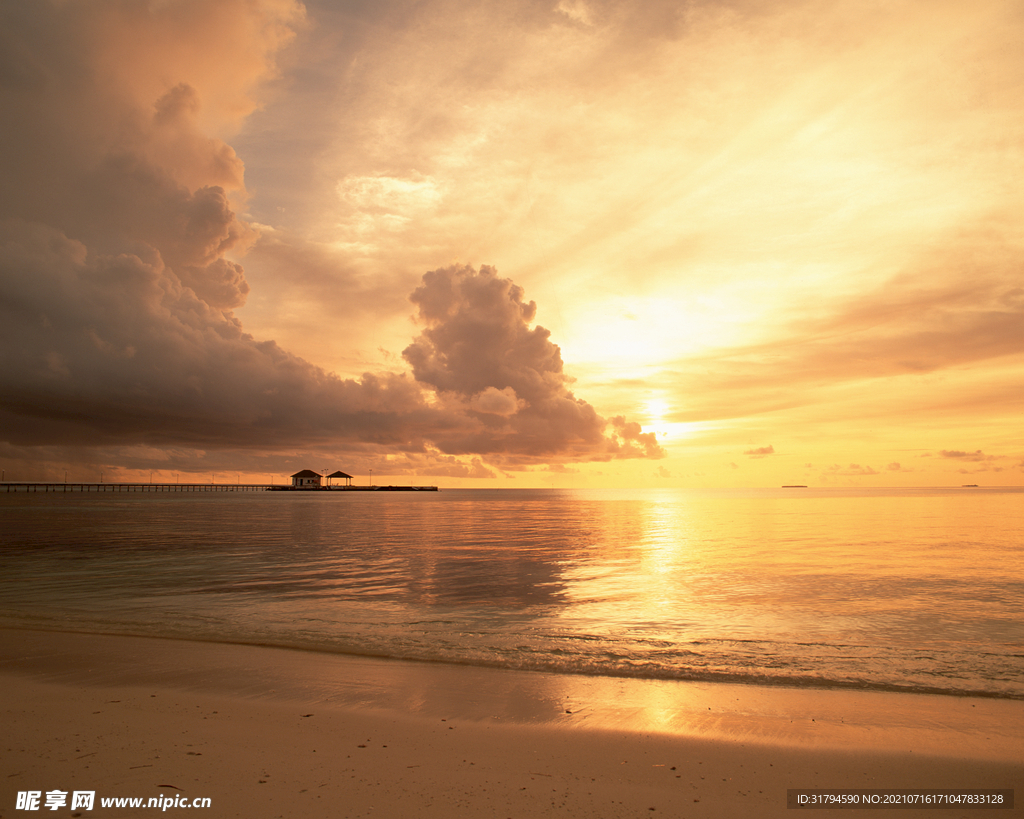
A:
(917, 590)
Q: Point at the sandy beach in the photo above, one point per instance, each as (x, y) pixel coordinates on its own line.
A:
(269, 732)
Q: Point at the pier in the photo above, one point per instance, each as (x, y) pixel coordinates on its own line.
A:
(27, 486)
(282, 488)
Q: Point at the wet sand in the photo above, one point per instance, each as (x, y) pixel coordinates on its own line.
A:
(268, 732)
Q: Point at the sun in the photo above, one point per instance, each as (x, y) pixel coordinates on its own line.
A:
(655, 415)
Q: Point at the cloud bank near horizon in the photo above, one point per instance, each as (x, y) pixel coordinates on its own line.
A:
(744, 224)
(119, 270)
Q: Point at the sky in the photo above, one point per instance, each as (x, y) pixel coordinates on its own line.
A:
(526, 243)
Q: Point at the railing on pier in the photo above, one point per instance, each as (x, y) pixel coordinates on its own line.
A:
(25, 486)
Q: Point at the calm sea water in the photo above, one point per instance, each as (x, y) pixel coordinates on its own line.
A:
(917, 590)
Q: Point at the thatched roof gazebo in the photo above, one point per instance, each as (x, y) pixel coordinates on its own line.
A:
(340, 474)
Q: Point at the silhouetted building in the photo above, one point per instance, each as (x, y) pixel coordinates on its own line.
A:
(307, 478)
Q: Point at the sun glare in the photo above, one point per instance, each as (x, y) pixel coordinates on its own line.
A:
(646, 331)
(655, 415)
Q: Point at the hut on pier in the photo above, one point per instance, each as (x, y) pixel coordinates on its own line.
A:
(307, 479)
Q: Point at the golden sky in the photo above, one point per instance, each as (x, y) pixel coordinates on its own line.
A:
(559, 243)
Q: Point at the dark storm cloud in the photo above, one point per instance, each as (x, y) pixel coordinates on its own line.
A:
(479, 352)
(118, 273)
(100, 145)
(117, 348)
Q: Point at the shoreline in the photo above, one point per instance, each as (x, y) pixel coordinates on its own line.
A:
(126, 716)
(795, 684)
